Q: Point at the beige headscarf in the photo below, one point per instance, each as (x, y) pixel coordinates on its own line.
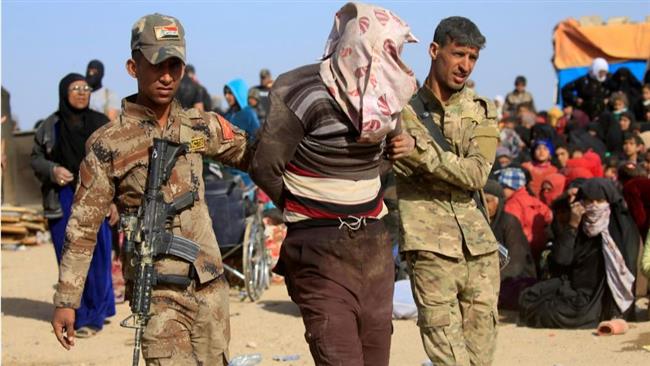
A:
(363, 71)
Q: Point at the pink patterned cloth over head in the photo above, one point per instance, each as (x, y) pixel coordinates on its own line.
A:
(363, 71)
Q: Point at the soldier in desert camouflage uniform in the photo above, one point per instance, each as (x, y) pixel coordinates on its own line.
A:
(188, 326)
(448, 243)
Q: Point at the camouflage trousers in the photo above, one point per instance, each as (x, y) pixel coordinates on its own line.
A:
(188, 326)
(457, 306)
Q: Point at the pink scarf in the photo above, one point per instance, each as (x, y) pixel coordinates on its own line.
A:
(619, 278)
(363, 71)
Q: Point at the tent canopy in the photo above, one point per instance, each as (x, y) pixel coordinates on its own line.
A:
(576, 45)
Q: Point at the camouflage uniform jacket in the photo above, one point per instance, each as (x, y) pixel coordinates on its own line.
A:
(435, 186)
(116, 167)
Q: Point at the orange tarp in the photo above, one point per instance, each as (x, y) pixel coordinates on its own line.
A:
(577, 46)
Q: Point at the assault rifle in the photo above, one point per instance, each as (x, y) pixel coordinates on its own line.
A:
(150, 238)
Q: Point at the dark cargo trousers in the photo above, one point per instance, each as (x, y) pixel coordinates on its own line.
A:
(342, 281)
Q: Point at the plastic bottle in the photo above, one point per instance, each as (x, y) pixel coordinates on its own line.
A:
(246, 360)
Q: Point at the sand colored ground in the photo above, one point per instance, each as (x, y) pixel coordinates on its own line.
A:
(270, 327)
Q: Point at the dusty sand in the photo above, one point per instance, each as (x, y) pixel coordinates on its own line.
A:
(270, 327)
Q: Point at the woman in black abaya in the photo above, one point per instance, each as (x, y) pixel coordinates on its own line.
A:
(595, 258)
(58, 151)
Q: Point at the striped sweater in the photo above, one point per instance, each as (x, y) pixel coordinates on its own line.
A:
(307, 158)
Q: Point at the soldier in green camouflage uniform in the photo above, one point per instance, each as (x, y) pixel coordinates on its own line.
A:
(188, 325)
(448, 243)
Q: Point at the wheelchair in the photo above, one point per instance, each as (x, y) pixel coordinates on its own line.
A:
(237, 222)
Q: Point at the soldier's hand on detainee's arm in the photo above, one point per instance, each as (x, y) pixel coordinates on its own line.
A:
(63, 324)
(400, 146)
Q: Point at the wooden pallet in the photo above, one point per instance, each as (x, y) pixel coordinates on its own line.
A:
(20, 225)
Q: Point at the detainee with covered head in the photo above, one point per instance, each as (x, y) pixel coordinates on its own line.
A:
(318, 160)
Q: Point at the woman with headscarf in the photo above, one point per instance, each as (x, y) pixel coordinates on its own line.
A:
(625, 82)
(588, 92)
(520, 271)
(624, 123)
(58, 151)
(595, 260)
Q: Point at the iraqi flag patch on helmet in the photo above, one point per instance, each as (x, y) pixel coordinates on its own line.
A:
(166, 32)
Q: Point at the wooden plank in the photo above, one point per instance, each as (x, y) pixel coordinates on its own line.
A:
(10, 240)
(10, 214)
(18, 209)
(9, 219)
(32, 218)
(34, 226)
(14, 229)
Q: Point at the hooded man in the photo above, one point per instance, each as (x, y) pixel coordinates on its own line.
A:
(102, 99)
(239, 113)
(589, 92)
(318, 158)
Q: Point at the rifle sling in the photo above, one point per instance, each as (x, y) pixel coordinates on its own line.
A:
(436, 133)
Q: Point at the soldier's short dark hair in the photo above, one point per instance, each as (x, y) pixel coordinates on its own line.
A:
(460, 30)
